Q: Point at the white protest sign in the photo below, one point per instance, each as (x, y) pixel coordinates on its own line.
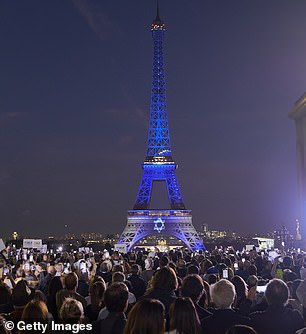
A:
(43, 249)
(27, 243)
(121, 248)
(32, 243)
(37, 243)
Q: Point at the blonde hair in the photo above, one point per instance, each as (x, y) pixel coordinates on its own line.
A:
(223, 294)
(71, 311)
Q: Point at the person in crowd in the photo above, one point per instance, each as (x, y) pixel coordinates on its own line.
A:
(205, 300)
(138, 283)
(147, 316)
(184, 317)
(252, 281)
(244, 296)
(242, 269)
(41, 273)
(193, 287)
(55, 286)
(96, 292)
(44, 281)
(116, 302)
(20, 275)
(6, 304)
(83, 286)
(35, 311)
(71, 284)
(92, 281)
(293, 301)
(71, 311)
(277, 318)
(118, 277)
(181, 268)
(147, 274)
(224, 317)
(105, 271)
(193, 269)
(22, 294)
(164, 285)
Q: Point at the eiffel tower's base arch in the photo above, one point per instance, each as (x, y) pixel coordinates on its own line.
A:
(176, 223)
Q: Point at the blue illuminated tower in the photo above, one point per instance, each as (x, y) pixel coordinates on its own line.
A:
(159, 166)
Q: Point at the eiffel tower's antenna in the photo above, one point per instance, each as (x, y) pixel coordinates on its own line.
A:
(157, 12)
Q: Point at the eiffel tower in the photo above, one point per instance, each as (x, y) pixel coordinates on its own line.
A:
(159, 166)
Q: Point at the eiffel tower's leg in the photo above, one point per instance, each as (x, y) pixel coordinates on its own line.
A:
(175, 197)
(145, 189)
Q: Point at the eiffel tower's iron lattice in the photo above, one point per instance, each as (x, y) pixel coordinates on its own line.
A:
(159, 166)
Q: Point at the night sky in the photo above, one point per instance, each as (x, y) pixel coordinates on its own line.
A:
(74, 111)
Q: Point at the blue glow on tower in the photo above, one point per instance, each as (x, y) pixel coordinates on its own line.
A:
(159, 166)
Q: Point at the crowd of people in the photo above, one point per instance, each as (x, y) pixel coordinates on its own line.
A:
(174, 292)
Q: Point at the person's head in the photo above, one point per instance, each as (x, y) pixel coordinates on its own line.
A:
(59, 268)
(106, 266)
(184, 317)
(193, 287)
(71, 281)
(193, 269)
(165, 278)
(118, 276)
(146, 316)
(35, 311)
(71, 312)
(212, 279)
(163, 262)
(223, 294)
(96, 292)
(240, 287)
(149, 264)
(277, 292)
(51, 270)
(135, 269)
(252, 281)
(287, 262)
(241, 329)
(116, 297)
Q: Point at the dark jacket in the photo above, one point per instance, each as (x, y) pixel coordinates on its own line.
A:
(139, 285)
(114, 323)
(202, 313)
(165, 296)
(222, 320)
(277, 319)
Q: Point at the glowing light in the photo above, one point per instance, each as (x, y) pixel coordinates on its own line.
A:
(159, 225)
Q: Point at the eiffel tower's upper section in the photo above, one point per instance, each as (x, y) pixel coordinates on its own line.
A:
(158, 146)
